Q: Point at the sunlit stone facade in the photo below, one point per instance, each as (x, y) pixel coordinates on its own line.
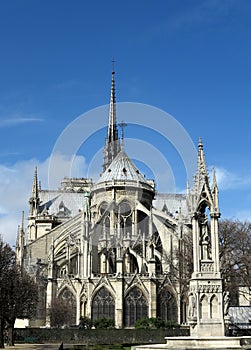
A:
(110, 248)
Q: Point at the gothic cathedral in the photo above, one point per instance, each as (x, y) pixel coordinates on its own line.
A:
(117, 249)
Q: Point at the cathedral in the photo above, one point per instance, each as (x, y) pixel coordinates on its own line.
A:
(116, 248)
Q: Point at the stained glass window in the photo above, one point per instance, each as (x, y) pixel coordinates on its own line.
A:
(103, 305)
(167, 306)
(136, 307)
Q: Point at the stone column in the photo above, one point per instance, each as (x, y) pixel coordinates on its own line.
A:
(119, 299)
(152, 306)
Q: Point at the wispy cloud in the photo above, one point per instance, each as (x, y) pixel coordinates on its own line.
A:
(228, 180)
(15, 188)
(17, 121)
(204, 13)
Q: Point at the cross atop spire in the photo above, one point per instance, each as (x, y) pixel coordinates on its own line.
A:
(112, 144)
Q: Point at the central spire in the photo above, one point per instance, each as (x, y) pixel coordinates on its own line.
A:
(112, 144)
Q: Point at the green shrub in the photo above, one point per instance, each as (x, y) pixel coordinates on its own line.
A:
(171, 324)
(85, 323)
(149, 323)
(104, 323)
(154, 323)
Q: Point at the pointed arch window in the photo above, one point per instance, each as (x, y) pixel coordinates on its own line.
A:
(136, 307)
(214, 307)
(103, 305)
(125, 219)
(167, 306)
(68, 297)
(204, 307)
(158, 266)
(106, 227)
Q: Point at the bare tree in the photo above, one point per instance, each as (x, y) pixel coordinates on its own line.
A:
(235, 256)
(23, 297)
(18, 292)
(7, 260)
(60, 313)
(180, 263)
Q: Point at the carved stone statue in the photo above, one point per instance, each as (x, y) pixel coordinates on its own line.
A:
(192, 306)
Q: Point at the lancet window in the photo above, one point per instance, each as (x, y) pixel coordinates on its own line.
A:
(167, 306)
(136, 307)
(68, 296)
(125, 220)
(103, 305)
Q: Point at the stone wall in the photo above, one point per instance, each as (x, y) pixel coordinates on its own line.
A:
(98, 336)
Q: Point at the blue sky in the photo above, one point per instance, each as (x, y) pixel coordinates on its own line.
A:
(188, 58)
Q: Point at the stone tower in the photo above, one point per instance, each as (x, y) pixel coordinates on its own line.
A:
(206, 304)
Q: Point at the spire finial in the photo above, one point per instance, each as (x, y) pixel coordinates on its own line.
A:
(214, 184)
(215, 191)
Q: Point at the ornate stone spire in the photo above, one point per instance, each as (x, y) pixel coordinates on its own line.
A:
(202, 167)
(20, 242)
(34, 198)
(112, 144)
(201, 176)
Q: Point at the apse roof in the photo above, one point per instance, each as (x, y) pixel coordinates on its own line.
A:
(122, 168)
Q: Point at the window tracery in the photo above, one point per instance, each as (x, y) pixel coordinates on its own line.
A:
(103, 305)
(136, 307)
(167, 306)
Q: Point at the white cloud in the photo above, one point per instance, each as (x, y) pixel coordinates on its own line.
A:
(18, 121)
(227, 180)
(15, 188)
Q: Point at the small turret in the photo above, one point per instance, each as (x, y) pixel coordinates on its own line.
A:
(34, 198)
(21, 241)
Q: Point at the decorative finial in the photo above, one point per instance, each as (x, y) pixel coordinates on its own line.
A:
(214, 176)
(22, 225)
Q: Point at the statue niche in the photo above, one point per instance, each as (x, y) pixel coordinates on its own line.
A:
(205, 236)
